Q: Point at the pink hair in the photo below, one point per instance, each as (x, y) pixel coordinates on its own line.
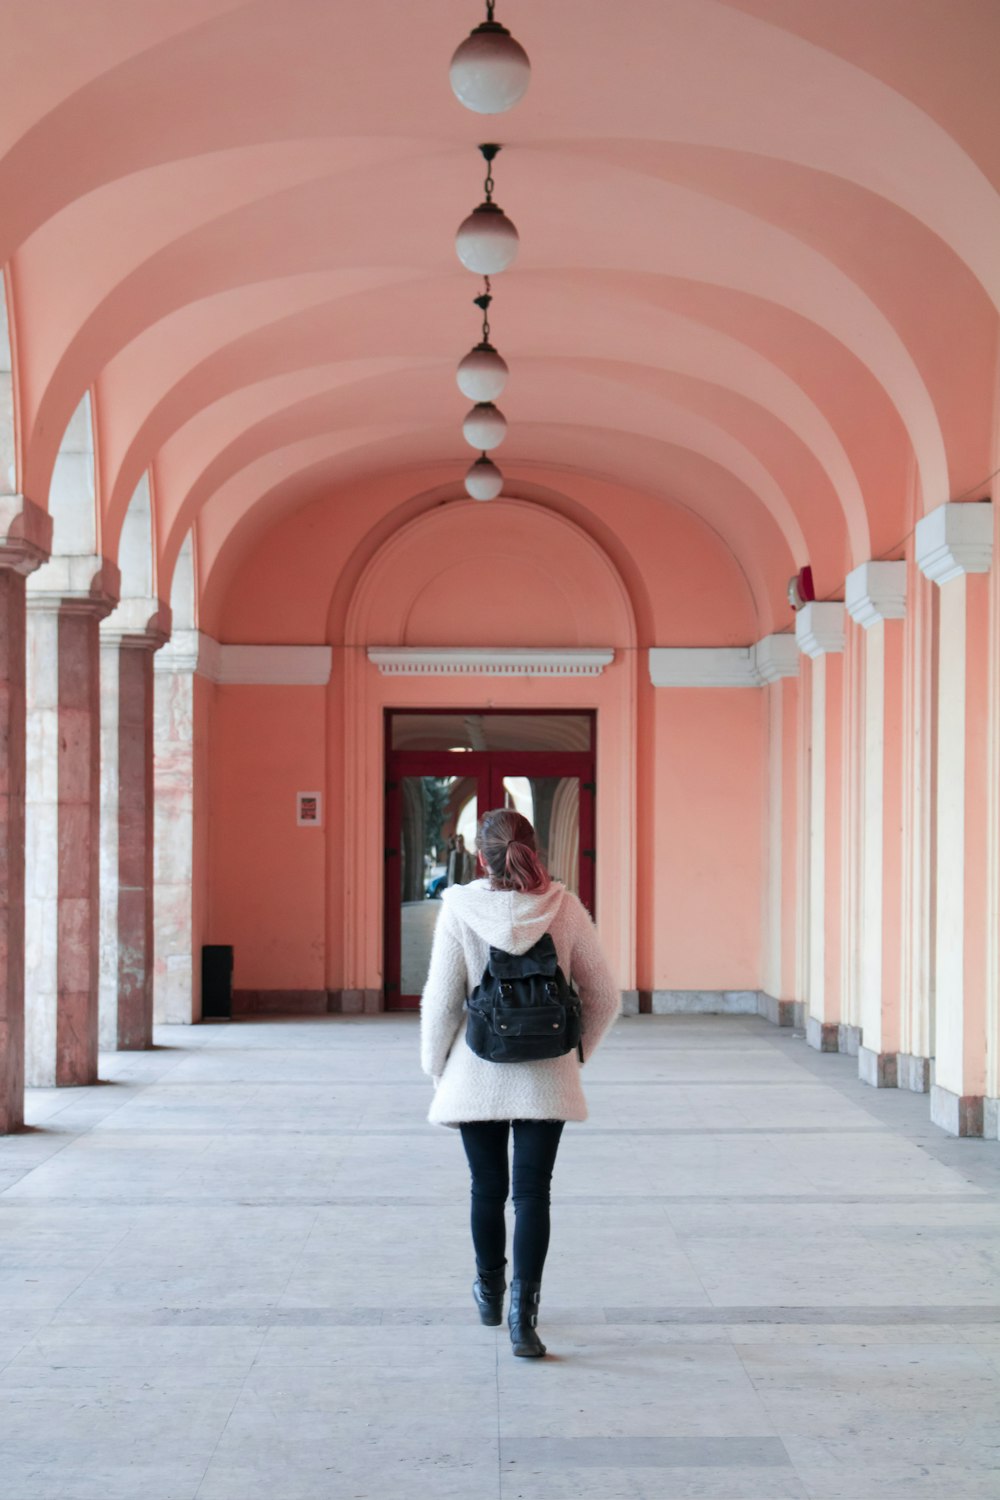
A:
(507, 845)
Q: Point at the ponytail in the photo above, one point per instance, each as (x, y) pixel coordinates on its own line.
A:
(507, 845)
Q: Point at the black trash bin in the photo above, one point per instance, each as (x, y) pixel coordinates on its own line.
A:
(217, 982)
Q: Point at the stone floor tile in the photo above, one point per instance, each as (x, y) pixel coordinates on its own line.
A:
(234, 1271)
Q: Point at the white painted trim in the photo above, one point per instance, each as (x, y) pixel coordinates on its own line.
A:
(776, 656)
(955, 539)
(819, 627)
(697, 666)
(245, 666)
(876, 591)
(773, 657)
(275, 666)
(489, 661)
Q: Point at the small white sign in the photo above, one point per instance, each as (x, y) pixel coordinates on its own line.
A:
(309, 809)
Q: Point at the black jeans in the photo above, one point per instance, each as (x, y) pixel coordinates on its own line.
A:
(535, 1145)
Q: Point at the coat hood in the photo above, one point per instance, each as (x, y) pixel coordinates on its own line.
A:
(511, 920)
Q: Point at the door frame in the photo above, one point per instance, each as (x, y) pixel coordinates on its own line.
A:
(488, 768)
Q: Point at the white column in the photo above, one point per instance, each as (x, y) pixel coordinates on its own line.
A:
(819, 631)
(876, 600)
(954, 549)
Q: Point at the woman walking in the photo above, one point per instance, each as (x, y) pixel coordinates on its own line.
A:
(510, 909)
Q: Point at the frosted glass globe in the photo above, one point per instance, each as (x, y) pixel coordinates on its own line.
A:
(486, 241)
(482, 374)
(484, 480)
(489, 70)
(485, 426)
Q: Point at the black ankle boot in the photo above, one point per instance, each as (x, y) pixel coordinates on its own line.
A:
(523, 1318)
(487, 1290)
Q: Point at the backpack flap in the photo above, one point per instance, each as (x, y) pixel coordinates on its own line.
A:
(529, 1021)
(541, 958)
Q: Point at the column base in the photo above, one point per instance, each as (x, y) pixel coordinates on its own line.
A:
(848, 1039)
(879, 1069)
(630, 1003)
(823, 1035)
(913, 1073)
(780, 1012)
(355, 1002)
(991, 1119)
(960, 1115)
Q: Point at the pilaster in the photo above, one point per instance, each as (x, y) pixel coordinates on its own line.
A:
(954, 549)
(25, 537)
(66, 600)
(820, 632)
(876, 601)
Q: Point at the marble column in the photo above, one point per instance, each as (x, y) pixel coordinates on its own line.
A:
(876, 600)
(67, 599)
(25, 537)
(954, 549)
(182, 674)
(129, 636)
(819, 631)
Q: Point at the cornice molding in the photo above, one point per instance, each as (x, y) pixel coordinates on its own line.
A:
(819, 627)
(876, 591)
(955, 539)
(773, 657)
(490, 661)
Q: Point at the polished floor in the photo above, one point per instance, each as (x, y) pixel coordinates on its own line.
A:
(238, 1270)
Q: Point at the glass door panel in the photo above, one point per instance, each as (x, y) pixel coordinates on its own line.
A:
(552, 805)
(437, 848)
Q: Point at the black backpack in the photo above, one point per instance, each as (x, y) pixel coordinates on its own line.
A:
(524, 1008)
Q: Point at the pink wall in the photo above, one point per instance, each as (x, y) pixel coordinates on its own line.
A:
(679, 819)
(708, 838)
(267, 875)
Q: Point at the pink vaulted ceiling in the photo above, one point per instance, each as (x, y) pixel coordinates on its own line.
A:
(759, 270)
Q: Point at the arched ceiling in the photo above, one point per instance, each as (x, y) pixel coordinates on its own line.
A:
(759, 271)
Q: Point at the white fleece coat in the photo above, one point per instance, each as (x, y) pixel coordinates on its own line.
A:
(468, 1087)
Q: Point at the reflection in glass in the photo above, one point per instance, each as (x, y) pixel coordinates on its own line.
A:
(437, 849)
(473, 731)
(552, 804)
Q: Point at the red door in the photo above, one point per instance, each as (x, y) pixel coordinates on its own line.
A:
(433, 802)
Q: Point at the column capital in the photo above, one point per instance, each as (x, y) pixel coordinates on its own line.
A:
(774, 657)
(189, 651)
(76, 584)
(876, 591)
(955, 539)
(819, 627)
(137, 623)
(25, 534)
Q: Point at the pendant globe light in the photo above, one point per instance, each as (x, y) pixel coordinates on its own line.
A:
(482, 374)
(484, 480)
(485, 426)
(489, 70)
(487, 241)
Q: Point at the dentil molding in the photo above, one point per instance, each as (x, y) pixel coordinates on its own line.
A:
(490, 661)
(955, 539)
